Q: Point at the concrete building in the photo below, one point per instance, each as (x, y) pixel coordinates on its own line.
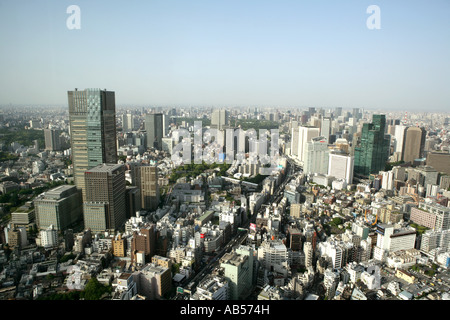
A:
(212, 288)
(414, 144)
(430, 215)
(148, 184)
(52, 139)
(315, 156)
(104, 207)
(155, 130)
(154, 281)
(300, 137)
(439, 161)
(341, 166)
(49, 237)
(60, 207)
(144, 242)
(238, 270)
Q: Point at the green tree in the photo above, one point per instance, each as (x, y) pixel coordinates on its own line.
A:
(94, 290)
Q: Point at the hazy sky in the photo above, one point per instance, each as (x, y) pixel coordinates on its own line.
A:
(230, 52)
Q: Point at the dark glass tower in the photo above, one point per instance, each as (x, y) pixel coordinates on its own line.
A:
(154, 128)
(372, 153)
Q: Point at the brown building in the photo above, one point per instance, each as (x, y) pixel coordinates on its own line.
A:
(414, 144)
(162, 261)
(14, 239)
(104, 208)
(119, 246)
(148, 183)
(295, 239)
(439, 161)
(144, 241)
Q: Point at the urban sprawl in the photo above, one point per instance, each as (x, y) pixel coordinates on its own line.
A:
(352, 205)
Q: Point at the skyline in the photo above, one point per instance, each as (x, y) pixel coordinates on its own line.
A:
(288, 53)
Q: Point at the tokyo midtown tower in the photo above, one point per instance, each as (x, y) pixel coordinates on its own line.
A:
(92, 116)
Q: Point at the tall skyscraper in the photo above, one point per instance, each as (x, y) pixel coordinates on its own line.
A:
(148, 183)
(127, 122)
(399, 135)
(305, 134)
(414, 144)
(219, 119)
(52, 139)
(92, 116)
(104, 207)
(155, 130)
(315, 156)
(325, 128)
(373, 151)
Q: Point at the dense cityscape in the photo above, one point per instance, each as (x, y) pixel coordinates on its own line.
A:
(99, 202)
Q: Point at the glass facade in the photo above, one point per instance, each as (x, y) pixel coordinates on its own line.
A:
(372, 153)
(92, 131)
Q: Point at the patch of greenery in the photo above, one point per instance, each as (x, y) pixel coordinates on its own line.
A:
(419, 229)
(93, 290)
(193, 170)
(256, 124)
(6, 156)
(23, 136)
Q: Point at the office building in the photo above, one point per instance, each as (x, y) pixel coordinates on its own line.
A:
(49, 237)
(148, 184)
(127, 122)
(298, 143)
(220, 119)
(119, 246)
(60, 207)
(155, 130)
(212, 287)
(341, 166)
(104, 208)
(325, 128)
(154, 281)
(431, 215)
(238, 270)
(399, 135)
(372, 152)
(52, 139)
(315, 156)
(143, 245)
(439, 161)
(414, 144)
(92, 116)
(390, 239)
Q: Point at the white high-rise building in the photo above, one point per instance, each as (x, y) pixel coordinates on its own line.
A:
(400, 133)
(315, 156)
(305, 134)
(387, 182)
(308, 250)
(341, 166)
(325, 128)
(49, 237)
(127, 122)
